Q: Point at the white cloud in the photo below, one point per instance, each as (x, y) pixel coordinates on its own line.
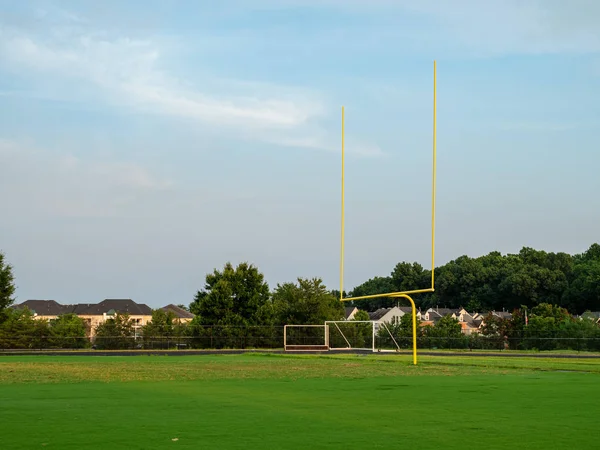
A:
(92, 67)
(128, 70)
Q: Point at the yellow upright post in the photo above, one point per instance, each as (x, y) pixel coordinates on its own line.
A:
(414, 325)
(342, 243)
(433, 182)
(403, 294)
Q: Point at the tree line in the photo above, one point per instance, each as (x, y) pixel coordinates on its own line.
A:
(497, 282)
(236, 307)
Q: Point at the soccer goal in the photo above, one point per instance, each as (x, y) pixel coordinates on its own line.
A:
(350, 334)
(365, 335)
(338, 335)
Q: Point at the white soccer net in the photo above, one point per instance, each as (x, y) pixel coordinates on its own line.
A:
(350, 335)
(365, 335)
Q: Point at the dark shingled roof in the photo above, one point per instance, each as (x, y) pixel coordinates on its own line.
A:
(378, 314)
(81, 308)
(179, 312)
(44, 307)
(446, 311)
(348, 310)
(53, 308)
(122, 306)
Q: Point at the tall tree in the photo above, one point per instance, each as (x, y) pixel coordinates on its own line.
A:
(584, 289)
(407, 277)
(234, 296)
(21, 329)
(115, 333)
(305, 303)
(7, 286)
(160, 325)
(68, 331)
(373, 286)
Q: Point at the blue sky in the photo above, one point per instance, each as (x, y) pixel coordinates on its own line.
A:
(141, 147)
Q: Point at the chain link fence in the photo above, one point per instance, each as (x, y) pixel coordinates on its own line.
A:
(271, 337)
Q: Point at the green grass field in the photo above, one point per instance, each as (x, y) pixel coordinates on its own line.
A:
(297, 402)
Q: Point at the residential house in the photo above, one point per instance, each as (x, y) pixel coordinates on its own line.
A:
(390, 315)
(350, 312)
(435, 314)
(93, 314)
(502, 314)
(44, 309)
(181, 315)
(96, 314)
(469, 323)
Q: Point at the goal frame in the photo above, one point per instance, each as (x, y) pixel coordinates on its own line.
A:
(349, 348)
(326, 346)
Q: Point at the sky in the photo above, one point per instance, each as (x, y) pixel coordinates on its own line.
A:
(144, 145)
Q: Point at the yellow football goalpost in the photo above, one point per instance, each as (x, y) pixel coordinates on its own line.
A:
(401, 294)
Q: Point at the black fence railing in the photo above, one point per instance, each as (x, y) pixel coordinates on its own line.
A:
(272, 337)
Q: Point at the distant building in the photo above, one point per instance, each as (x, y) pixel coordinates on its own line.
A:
(390, 315)
(350, 312)
(181, 315)
(94, 314)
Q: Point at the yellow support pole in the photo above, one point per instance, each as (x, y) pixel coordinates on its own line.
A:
(403, 294)
(342, 243)
(414, 325)
(433, 178)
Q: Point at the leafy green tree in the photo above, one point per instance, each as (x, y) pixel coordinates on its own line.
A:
(68, 331)
(234, 296)
(592, 253)
(160, 325)
(115, 333)
(547, 310)
(446, 333)
(307, 302)
(543, 330)
(7, 286)
(374, 286)
(234, 310)
(362, 333)
(581, 335)
(494, 325)
(336, 293)
(402, 332)
(21, 329)
(163, 330)
(584, 289)
(361, 315)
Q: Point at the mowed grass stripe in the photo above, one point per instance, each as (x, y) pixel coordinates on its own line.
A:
(56, 369)
(295, 402)
(514, 411)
